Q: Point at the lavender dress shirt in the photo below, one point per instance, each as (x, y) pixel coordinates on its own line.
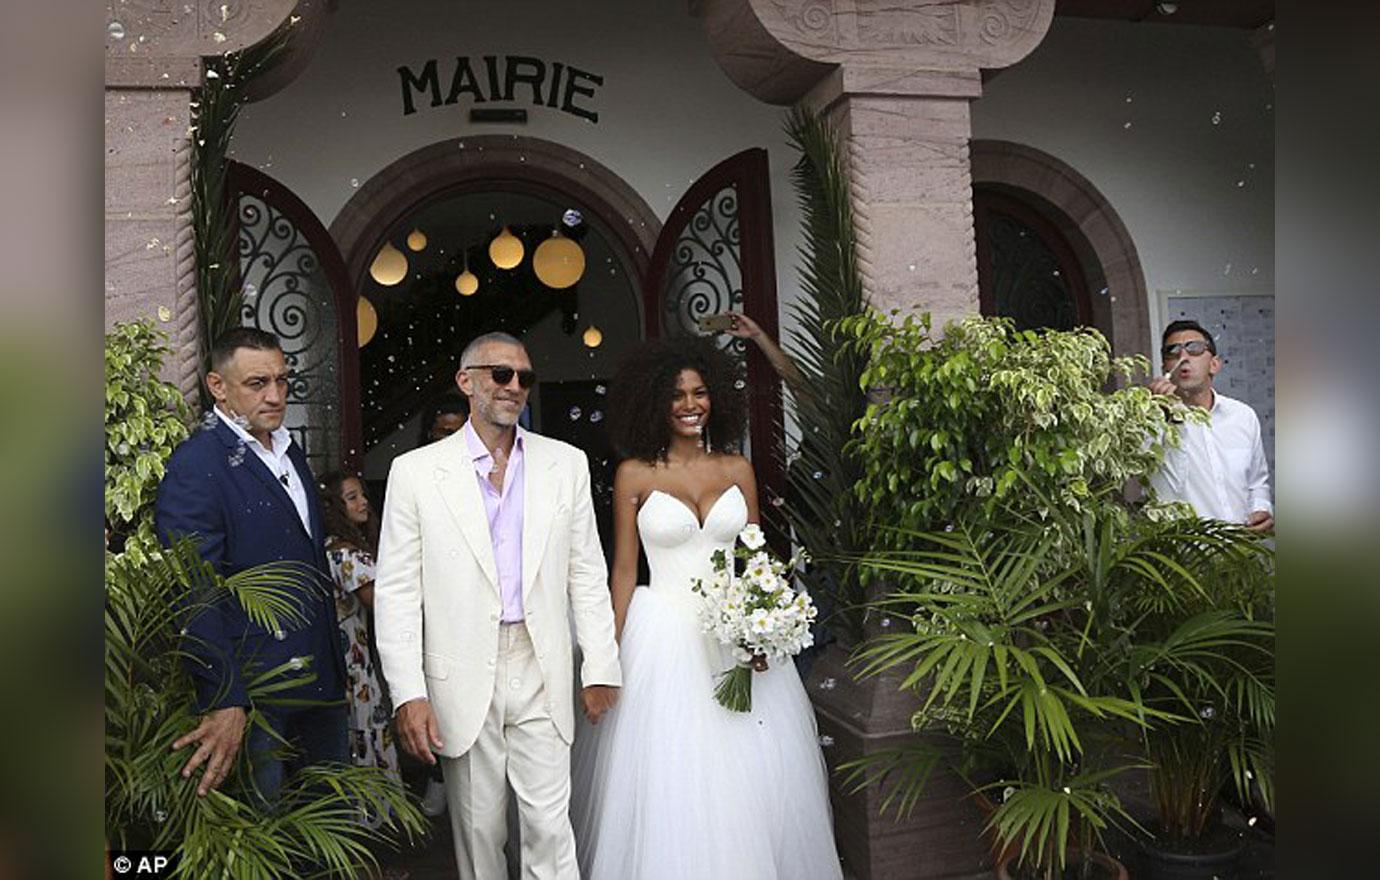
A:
(504, 512)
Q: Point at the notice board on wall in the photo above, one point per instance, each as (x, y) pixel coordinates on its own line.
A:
(1243, 326)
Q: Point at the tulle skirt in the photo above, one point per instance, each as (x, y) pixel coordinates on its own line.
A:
(672, 786)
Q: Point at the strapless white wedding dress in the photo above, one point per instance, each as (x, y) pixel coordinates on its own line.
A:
(672, 786)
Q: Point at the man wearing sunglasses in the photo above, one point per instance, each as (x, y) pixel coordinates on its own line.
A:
(489, 553)
(1219, 468)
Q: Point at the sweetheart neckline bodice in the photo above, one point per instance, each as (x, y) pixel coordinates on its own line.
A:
(700, 523)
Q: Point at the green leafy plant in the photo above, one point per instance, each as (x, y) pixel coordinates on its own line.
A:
(1041, 659)
(1228, 693)
(314, 828)
(827, 517)
(968, 416)
(145, 419)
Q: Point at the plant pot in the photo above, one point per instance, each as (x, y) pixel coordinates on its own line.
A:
(1213, 855)
(1105, 868)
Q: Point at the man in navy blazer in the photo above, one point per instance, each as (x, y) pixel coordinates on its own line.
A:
(244, 491)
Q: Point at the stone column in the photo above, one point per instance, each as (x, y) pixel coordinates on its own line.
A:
(896, 79)
(153, 67)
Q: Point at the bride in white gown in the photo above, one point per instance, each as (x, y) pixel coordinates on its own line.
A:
(671, 785)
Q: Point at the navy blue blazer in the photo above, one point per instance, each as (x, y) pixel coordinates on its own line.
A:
(218, 490)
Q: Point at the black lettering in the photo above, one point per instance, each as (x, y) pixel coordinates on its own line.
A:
(514, 75)
(491, 62)
(464, 82)
(556, 68)
(573, 88)
(428, 79)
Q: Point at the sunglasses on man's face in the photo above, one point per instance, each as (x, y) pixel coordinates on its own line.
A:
(1195, 348)
(503, 375)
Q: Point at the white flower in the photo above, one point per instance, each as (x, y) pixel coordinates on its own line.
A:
(752, 537)
(761, 622)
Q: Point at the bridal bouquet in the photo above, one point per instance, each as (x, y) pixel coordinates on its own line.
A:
(749, 604)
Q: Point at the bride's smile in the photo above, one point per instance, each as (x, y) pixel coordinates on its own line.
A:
(689, 404)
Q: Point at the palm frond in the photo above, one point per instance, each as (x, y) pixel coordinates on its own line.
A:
(821, 507)
(903, 771)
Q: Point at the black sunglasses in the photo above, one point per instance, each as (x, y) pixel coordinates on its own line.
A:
(503, 375)
(1195, 348)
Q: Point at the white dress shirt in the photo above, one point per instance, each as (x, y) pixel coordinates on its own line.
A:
(1219, 468)
(277, 462)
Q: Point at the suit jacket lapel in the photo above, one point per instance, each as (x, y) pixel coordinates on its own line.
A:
(459, 487)
(276, 490)
(538, 508)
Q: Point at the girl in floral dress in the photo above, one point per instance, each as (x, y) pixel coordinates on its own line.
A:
(352, 527)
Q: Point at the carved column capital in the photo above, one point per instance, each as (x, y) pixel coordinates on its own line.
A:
(146, 39)
(778, 49)
(896, 79)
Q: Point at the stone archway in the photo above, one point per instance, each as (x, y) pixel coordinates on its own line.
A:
(1087, 218)
(517, 162)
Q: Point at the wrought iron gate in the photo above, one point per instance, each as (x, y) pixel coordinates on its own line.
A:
(296, 287)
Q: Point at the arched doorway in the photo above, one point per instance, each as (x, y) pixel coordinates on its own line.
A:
(1027, 270)
(1078, 229)
(641, 280)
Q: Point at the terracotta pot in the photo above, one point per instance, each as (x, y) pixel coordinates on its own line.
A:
(1111, 869)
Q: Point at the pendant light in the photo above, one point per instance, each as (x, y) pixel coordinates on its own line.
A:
(559, 262)
(389, 266)
(366, 321)
(506, 250)
(466, 283)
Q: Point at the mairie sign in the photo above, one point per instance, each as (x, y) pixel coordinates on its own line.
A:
(501, 78)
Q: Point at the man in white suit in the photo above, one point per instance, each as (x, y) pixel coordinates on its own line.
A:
(489, 551)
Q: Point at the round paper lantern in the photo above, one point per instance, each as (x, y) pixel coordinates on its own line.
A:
(390, 266)
(366, 321)
(416, 240)
(594, 337)
(559, 262)
(466, 283)
(505, 250)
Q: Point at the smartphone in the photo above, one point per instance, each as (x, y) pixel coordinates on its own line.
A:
(717, 323)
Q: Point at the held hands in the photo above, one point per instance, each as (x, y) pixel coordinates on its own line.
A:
(218, 738)
(598, 699)
(418, 729)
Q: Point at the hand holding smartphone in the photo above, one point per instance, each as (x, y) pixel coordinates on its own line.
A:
(717, 323)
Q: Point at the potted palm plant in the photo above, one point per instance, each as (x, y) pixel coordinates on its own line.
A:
(1034, 647)
(1227, 695)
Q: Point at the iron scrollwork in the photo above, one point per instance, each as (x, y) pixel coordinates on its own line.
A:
(1028, 284)
(286, 293)
(706, 273)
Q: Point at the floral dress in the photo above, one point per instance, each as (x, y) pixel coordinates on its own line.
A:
(371, 731)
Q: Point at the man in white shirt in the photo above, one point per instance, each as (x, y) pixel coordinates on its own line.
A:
(1218, 468)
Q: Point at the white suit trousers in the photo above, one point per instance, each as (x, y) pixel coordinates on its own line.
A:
(518, 744)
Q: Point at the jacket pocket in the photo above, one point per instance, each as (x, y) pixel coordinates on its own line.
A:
(435, 665)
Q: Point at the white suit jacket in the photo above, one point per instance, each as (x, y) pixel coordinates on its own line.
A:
(436, 592)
